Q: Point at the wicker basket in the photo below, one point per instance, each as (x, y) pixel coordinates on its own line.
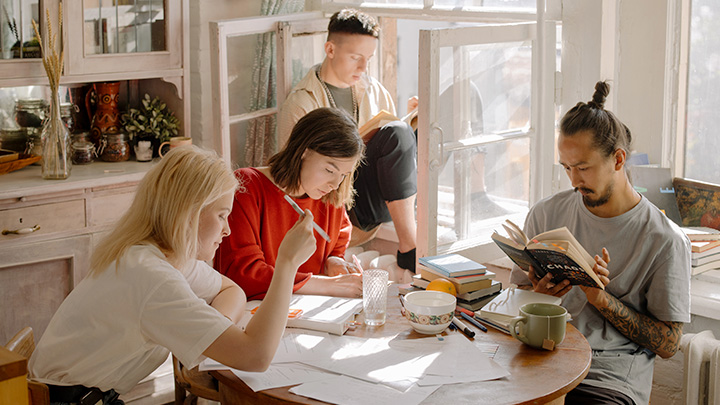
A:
(21, 162)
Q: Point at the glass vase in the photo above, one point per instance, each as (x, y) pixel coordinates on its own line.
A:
(56, 153)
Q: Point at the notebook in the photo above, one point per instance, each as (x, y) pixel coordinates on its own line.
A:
(503, 308)
(320, 313)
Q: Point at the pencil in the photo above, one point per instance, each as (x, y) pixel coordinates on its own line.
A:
(302, 214)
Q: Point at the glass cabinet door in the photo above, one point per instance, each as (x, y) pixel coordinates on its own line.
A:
(19, 46)
(108, 36)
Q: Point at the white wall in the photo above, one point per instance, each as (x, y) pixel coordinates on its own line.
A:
(622, 41)
(201, 13)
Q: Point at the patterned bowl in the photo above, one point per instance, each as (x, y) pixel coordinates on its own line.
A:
(429, 312)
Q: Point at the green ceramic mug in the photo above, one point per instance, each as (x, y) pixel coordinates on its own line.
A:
(540, 325)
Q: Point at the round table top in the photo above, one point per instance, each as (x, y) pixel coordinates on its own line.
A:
(536, 376)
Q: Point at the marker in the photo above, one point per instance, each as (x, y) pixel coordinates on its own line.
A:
(460, 325)
(473, 321)
(302, 214)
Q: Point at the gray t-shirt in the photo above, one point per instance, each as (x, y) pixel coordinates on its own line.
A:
(343, 98)
(649, 272)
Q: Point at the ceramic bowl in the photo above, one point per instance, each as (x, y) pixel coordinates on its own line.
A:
(429, 312)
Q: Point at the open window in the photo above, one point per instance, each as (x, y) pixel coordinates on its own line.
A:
(486, 127)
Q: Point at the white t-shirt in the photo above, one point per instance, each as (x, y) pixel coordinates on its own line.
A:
(649, 272)
(117, 327)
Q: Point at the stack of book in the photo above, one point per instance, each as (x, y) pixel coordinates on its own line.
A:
(705, 248)
(474, 283)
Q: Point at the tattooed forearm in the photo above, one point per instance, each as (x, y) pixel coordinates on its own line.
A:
(663, 338)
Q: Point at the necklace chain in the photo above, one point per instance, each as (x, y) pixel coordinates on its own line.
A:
(355, 109)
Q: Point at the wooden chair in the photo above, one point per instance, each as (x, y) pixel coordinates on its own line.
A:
(198, 384)
(23, 343)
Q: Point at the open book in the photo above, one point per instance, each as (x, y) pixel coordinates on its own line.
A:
(318, 312)
(556, 252)
(369, 128)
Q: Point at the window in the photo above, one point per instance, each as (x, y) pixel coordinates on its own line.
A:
(702, 142)
(476, 146)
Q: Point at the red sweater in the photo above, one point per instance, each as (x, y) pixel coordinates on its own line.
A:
(259, 221)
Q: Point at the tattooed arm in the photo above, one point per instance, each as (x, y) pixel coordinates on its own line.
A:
(663, 338)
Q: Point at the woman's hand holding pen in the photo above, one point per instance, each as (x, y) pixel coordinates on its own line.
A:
(298, 244)
(335, 266)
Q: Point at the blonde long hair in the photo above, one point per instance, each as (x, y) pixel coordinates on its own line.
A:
(167, 205)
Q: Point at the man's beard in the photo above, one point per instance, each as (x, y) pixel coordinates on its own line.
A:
(592, 203)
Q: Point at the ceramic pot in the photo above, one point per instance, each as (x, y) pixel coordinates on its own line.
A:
(105, 117)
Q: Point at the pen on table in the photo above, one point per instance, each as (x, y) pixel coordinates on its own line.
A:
(460, 325)
(473, 321)
(302, 214)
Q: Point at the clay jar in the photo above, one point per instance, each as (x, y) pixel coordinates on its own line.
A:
(105, 118)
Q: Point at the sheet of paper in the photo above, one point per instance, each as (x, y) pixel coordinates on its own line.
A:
(375, 361)
(458, 357)
(350, 391)
(295, 346)
(281, 375)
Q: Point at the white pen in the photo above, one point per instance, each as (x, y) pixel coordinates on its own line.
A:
(464, 328)
(302, 214)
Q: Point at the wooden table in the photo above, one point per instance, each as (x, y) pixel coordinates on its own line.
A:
(536, 376)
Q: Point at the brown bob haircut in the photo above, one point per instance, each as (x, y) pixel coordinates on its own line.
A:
(330, 132)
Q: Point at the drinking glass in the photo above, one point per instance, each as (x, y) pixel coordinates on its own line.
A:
(375, 283)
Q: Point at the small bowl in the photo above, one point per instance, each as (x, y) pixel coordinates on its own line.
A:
(429, 312)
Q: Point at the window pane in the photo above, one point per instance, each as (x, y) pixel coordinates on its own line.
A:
(485, 89)
(238, 137)
(484, 94)
(701, 142)
(124, 26)
(307, 51)
(251, 81)
(509, 5)
(513, 5)
(480, 187)
(17, 37)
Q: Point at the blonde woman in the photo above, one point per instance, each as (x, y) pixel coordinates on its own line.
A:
(150, 291)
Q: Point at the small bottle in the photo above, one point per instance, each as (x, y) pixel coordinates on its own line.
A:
(83, 152)
(115, 147)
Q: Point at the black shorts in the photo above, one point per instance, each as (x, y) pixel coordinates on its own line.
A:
(389, 173)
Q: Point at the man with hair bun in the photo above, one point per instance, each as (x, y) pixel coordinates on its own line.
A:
(386, 182)
(647, 283)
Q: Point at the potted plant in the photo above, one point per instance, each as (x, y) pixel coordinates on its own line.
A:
(153, 123)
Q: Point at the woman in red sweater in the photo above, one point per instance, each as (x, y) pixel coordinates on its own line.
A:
(316, 169)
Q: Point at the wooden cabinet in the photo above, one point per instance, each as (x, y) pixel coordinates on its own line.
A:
(148, 40)
(39, 269)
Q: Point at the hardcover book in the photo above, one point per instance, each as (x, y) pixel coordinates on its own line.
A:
(506, 305)
(371, 126)
(556, 252)
(419, 281)
(452, 265)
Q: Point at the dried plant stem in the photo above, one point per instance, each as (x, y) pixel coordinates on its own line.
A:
(52, 60)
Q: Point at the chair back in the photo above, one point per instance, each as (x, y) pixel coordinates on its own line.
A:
(23, 343)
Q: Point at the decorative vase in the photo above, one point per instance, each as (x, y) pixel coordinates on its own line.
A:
(106, 115)
(56, 157)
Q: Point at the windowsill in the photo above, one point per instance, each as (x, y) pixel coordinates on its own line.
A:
(705, 294)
